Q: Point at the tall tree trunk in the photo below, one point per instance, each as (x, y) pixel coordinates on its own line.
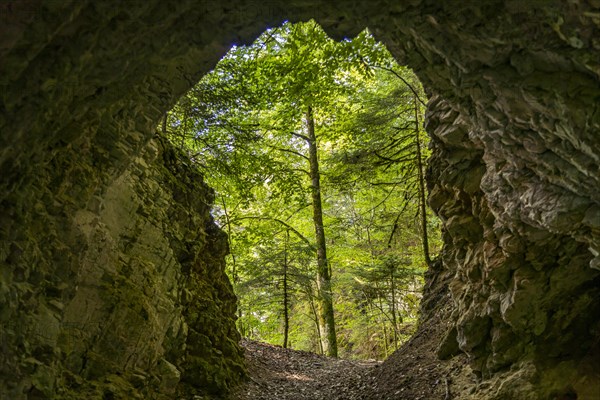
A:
(421, 186)
(394, 319)
(325, 297)
(286, 318)
(234, 274)
(317, 325)
(385, 334)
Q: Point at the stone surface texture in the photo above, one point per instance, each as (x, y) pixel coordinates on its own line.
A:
(112, 277)
(132, 302)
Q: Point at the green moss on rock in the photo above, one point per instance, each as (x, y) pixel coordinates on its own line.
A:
(143, 308)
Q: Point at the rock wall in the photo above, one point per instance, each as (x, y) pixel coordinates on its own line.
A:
(133, 304)
(90, 218)
(515, 176)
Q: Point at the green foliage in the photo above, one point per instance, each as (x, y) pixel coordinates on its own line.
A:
(243, 126)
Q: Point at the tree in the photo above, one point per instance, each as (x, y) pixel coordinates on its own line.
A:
(387, 133)
(311, 150)
(327, 320)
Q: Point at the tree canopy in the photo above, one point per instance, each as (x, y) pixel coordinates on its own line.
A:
(316, 152)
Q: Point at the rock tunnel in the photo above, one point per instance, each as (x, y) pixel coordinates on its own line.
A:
(112, 280)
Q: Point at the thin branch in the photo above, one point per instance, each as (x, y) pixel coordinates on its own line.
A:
(403, 80)
(301, 136)
(302, 237)
(301, 170)
(391, 160)
(288, 151)
(393, 183)
(389, 243)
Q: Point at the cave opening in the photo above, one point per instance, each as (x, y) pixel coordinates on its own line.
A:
(112, 268)
(250, 126)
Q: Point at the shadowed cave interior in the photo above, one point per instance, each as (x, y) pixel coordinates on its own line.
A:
(113, 281)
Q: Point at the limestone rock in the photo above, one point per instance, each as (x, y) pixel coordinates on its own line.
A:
(113, 315)
(109, 264)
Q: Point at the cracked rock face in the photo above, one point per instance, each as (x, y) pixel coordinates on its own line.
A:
(107, 285)
(128, 297)
(515, 176)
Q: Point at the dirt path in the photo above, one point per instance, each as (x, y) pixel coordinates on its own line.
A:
(283, 374)
(414, 372)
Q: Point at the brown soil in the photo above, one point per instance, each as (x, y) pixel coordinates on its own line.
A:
(276, 373)
(413, 372)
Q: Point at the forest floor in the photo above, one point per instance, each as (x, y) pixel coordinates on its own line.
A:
(276, 373)
(413, 372)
